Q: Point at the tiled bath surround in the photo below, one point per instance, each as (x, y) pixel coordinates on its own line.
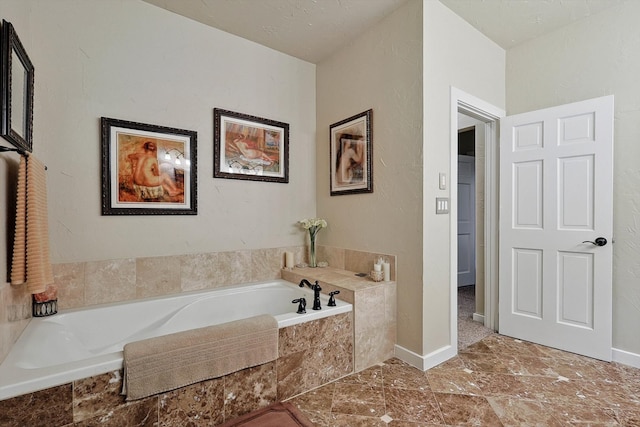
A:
(309, 355)
(374, 310)
(15, 313)
(83, 284)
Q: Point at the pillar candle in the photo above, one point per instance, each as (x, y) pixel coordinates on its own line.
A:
(386, 267)
(377, 267)
(288, 259)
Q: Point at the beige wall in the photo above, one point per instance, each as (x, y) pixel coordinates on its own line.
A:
(403, 68)
(455, 54)
(594, 57)
(133, 61)
(381, 70)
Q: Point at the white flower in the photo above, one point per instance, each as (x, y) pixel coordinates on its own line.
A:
(312, 222)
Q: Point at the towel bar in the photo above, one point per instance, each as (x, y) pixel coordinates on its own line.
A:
(17, 150)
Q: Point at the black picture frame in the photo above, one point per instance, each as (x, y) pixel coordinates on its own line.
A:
(148, 169)
(249, 147)
(351, 155)
(17, 77)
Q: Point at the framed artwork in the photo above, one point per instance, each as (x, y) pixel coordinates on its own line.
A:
(17, 76)
(249, 147)
(351, 155)
(147, 169)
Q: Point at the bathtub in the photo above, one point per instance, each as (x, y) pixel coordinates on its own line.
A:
(80, 343)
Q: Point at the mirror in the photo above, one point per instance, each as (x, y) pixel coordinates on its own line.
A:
(17, 76)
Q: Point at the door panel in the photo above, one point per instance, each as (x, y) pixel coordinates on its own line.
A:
(528, 202)
(556, 187)
(466, 221)
(527, 282)
(575, 181)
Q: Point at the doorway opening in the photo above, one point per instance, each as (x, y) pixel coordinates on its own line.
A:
(487, 117)
(470, 221)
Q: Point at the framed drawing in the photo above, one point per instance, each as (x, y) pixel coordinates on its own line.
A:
(147, 169)
(351, 155)
(249, 147)
(17, 76)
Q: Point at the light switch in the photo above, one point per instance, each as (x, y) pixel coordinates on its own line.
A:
(442, 205)
(442, 181)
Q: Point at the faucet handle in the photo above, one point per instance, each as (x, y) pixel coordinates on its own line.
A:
(302, 304)
(332, 299)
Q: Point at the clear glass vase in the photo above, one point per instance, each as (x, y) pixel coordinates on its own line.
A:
(312, 250)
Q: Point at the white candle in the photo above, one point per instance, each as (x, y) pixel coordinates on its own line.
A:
(377, 267)
(386, 267)
(288, 259)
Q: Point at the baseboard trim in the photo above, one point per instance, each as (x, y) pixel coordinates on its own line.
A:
(478, 318)
(625, 357)
(427, 361)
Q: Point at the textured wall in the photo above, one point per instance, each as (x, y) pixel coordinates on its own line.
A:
(381, 70)
(594, 57)
(455, 54)
(134, 61)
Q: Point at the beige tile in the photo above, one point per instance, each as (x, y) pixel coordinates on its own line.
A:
(157, 276)
(266, 264)
(233, 268)
(15, 314)
(332, 255)
(198, 271)
(110, 281)
(370, 328)
(69, 278)
(362, 262)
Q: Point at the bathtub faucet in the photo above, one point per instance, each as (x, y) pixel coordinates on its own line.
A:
(316, 292)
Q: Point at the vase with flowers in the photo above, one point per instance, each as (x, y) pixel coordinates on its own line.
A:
(313, 225)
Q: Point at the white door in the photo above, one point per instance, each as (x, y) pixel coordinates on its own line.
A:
(556, 196)
(466, 220)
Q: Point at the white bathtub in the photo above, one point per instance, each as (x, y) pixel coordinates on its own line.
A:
(80, 343)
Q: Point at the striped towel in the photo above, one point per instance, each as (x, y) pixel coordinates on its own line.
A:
(164, 363)
(31, 262)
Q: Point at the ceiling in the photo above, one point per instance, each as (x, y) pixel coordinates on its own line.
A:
(313, 29)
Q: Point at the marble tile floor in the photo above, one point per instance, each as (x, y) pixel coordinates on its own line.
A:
(498, 381)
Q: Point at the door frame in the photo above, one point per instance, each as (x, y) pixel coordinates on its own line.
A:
(489, 114)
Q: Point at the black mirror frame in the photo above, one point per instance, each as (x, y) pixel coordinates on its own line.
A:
(11, 43)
